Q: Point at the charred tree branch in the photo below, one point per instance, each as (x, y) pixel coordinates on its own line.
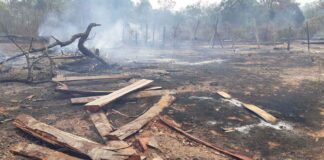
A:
(81, 36)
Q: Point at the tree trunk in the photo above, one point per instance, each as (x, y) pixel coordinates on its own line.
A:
(196, 30)
(146, 33)
(163, 36)
(289, 39)
(216, 35)
(256, 33)
(308, 37)
(153, 35)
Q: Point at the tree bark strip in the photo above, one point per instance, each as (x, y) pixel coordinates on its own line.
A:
(55, 136)
(133, 127)
(34, 151)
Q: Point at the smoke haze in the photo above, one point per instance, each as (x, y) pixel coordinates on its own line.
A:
(76, 16)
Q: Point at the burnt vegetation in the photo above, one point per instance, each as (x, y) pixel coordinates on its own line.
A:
(151, 79)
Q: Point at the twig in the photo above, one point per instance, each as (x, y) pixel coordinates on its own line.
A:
(227, 152)
(26, 54)
(6, 120)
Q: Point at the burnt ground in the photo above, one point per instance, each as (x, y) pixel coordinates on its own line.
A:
(289, 85)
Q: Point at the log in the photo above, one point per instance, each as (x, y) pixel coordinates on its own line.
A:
(34, 151)
(140, 94)
(212, 146)
(83, 78)
(260, 112)
(135, 125)
(104, 100)
(55, 136)
(101, 123)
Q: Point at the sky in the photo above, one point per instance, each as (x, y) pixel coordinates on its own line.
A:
(183, 3)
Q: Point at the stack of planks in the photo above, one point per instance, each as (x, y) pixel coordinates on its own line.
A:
(114, 148)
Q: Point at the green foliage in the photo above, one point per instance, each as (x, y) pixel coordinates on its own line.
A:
(234, 18)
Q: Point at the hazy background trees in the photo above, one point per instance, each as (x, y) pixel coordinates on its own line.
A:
(138, 23)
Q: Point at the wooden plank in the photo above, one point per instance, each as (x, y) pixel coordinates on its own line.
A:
(260, 112)
(135, 125)
(140, 94)
(104, 128)
(61, 78)
(104, 100)
(219, 149)
(55, 136)
(65, 89)
(101, 123)
(34, 151)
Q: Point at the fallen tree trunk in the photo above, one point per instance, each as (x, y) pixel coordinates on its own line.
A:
(140, 94)
(219, 149)
(34, 151)
(55, 136)
(84, 50)
(82, 38)
(104, 100)
(133, 127)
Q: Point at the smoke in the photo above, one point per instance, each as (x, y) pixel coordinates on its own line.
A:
(75, 16)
